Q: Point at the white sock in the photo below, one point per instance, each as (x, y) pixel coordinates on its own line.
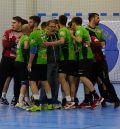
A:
(27, 97)
(21, 98)
(4, 95)
(49, 95)
(36, 96)
(68, 98)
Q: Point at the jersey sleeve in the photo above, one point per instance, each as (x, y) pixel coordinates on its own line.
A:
(5, 40)
(79, 33)
(33, 39)
(102, 37)
(86, 33)
(62, 33)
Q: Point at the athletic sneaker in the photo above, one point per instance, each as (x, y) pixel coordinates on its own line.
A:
(21, 105)
(69, 105)
(13, 102)
(94, 104)
(4, 101)
(33, 108)
(99, 101)
(57, 105)
(48, 107)
(84, 105)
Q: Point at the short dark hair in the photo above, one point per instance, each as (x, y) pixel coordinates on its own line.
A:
(77, 20)
(70, 24)
(18, 19)
(36, 19)
(56, 21)
(51, 21)
(24, 21)
(92, 15)
(62, 19)
(43, 24)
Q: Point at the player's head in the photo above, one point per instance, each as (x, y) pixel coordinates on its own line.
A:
(62, 20)
(16, 23)
(43, 25)
(94, 18)
(34, 21)
(24, 21)
(70, 24)
(76, 21)
(26, 28)
(57, 24)
(51, 26)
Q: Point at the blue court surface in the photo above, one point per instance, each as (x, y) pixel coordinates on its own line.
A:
(100, 118)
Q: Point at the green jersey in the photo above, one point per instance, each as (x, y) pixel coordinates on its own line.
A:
(20, 48)
(37, 38)
(67, 49)
(85, 52)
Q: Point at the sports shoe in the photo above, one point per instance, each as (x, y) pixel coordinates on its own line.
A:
(33, 108)
(48, 107)
(94, 104)
(4, 101)
(13, 102)
(99, 101)
(57, 105)
(21, 105)
(69, 105)
(84, 105)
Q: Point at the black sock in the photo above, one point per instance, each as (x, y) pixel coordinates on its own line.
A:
(37, 102)
(49, 101)
(94, 93)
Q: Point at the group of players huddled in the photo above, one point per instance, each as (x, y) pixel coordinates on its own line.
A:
(52, 56)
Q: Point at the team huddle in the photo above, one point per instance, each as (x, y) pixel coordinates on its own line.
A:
(57, 54)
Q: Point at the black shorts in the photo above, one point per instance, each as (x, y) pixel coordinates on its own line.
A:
(21, 68)
(85, 68)
(67, 67)
(100, 69)
(38, 72)
(7, 66)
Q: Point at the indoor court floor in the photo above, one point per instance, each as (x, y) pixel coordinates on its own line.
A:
(100, 118)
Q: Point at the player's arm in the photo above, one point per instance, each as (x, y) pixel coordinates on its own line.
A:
(61, 40)
(26, 50)
(102, 40)
(26, 44)
(58, 42)
(5, 40)
(98, 42)
(77, 37)
(33, 50)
